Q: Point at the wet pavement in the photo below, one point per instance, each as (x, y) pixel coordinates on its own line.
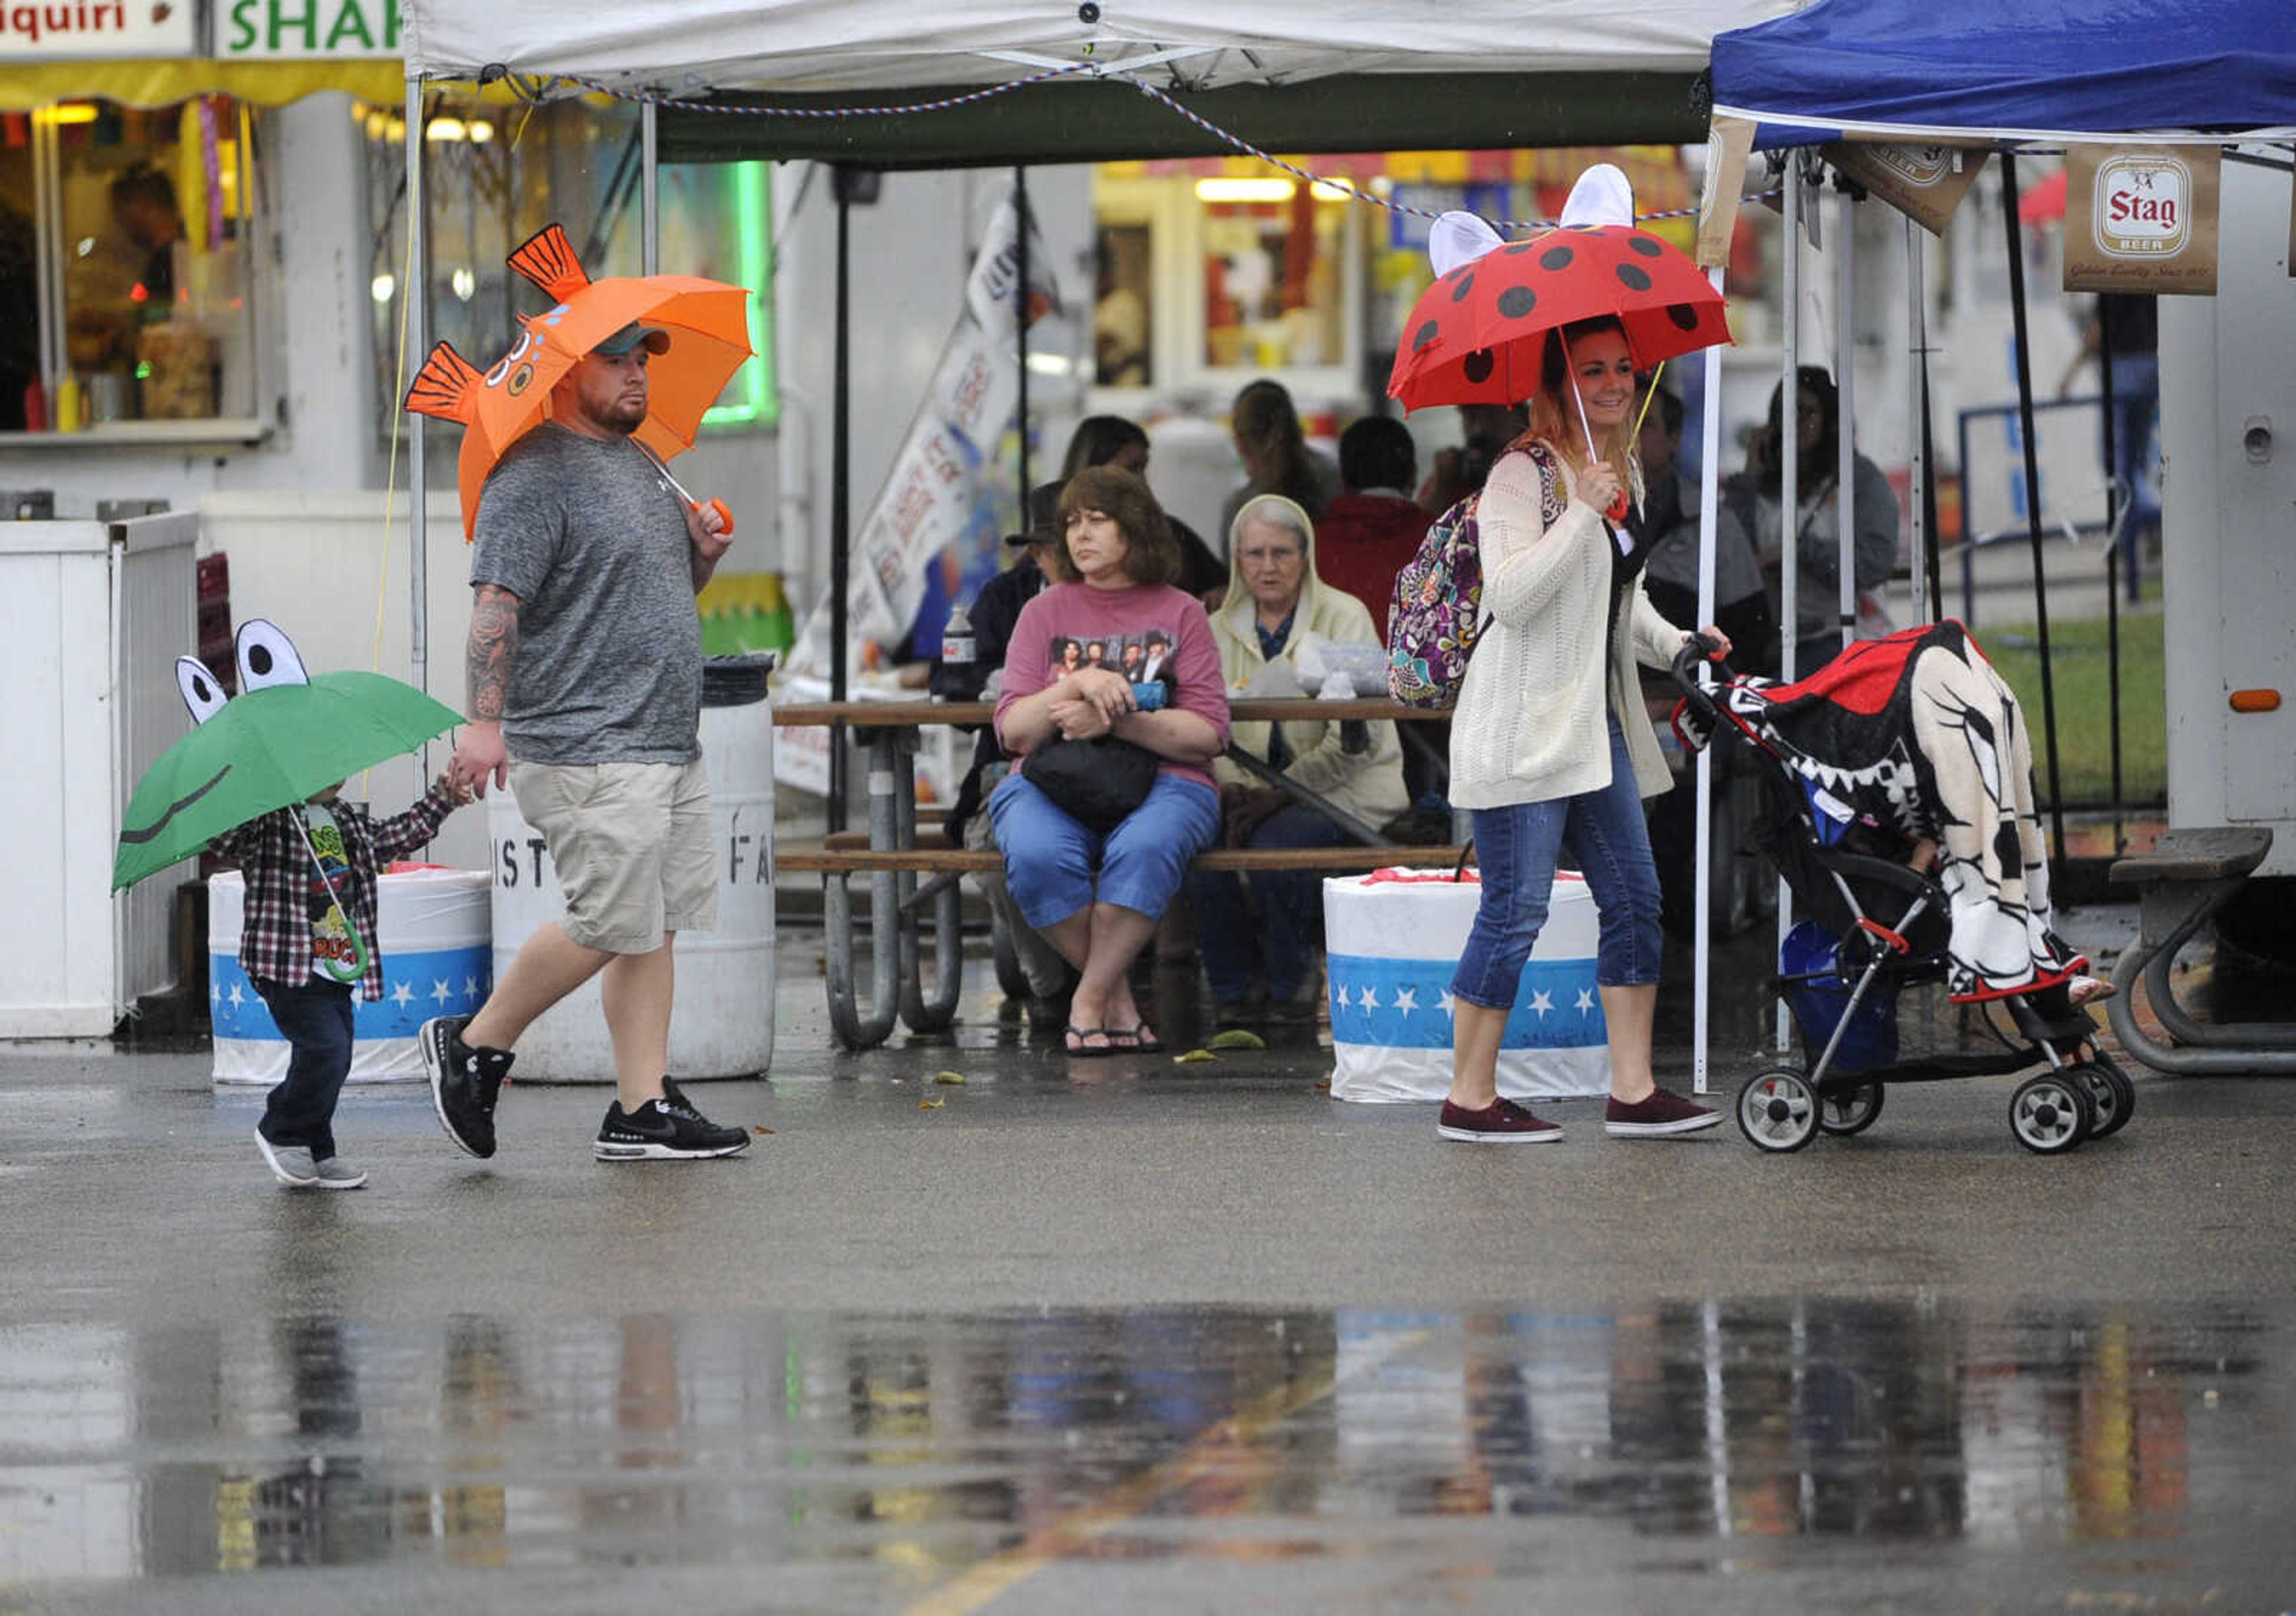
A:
(1137, 1337)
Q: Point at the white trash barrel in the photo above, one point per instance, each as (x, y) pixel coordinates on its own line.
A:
(438, 959)
(722, 1025)
(1393, 939)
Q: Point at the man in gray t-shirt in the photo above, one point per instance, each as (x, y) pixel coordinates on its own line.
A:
(584, 692)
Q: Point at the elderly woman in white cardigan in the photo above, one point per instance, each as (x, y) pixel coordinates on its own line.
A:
(1551, 747)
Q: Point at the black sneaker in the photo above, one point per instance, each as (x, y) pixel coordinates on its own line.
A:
(668, 1129)
(464, 1082)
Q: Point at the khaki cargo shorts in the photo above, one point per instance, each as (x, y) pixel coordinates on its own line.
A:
(632, 844)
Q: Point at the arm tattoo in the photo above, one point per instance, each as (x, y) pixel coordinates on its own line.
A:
(492, 648)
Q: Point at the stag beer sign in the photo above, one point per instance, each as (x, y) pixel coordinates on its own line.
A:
(1924, 182)
(2139, 220)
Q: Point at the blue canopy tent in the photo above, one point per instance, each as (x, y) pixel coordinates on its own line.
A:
(2037, 70)
(2037, 74)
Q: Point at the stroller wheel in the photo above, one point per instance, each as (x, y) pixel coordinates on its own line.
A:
(2110, 1091)
(1850, 1110)
(1778, 1110)
(2052, 1114)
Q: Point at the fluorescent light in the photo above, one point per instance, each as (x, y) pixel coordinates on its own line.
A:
(444, 128)
(72, 111)
(1331, 193)
(1244, 190)
(382, 286)
(482, 131)
(1050, 364)
(466, 285)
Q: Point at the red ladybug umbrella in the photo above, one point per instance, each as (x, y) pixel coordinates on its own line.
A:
(1479, 333)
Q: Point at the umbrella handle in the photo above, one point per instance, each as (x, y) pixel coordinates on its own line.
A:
(1620, 503)
(724, 515)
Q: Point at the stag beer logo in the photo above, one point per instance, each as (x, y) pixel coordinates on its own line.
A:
(2144, 207)
(1922, 166)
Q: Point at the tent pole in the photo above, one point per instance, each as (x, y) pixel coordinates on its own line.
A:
(648, 191)
(1845, 389)
(1917, 445)
(418, 335)
(1709, 490)
(2033, 505)
(841, 514)
(1788, 448)
(1020, 324)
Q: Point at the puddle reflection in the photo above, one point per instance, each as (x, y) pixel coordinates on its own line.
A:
(923, 1446)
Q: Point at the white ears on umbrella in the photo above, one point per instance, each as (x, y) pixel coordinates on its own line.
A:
(1603, 196)
(1457, 238)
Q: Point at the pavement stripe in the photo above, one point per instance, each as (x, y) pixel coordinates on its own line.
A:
(1213, 1451)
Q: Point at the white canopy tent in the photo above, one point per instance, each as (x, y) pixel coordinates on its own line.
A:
(820, 45)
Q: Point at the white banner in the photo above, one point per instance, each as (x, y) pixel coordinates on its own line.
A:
(83, 30)
(938, 482)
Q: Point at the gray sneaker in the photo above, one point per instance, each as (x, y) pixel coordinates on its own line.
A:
(291, 1164)
(337, 1174)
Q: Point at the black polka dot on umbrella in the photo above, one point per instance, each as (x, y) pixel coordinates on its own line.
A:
(1463, 290)
(1633, 278)
(1556, 257)
(1516, 301)
(1477, 367)
(1645, 245)
(1520, 248)
(1423, 336)
(1683, 315)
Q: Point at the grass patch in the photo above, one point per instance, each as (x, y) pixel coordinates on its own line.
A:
(2077, 663)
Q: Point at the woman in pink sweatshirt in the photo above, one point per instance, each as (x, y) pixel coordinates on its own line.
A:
(1097, 897)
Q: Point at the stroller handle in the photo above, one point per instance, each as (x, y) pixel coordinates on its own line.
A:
(1700, 648)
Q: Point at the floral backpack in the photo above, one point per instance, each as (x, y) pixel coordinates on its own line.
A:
(1437, 613)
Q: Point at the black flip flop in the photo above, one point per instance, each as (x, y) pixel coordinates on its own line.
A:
(1149, 1044)
(1082, 1051)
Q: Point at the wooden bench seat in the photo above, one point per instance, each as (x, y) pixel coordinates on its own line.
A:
(814, 859)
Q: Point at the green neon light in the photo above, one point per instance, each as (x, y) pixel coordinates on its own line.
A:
(758, 402)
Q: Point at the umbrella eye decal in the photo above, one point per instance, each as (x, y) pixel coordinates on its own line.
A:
(1463, 290)
(1477, 367)
(521, 380)
(1644, 245)
(267, 657)
(1425, 336)
(1683, 315)
(1516, 301)
(1633, 279)
(1555, 258)
(201, 692)
(137, 838)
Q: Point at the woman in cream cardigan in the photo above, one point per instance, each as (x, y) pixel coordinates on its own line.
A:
(1551, 749)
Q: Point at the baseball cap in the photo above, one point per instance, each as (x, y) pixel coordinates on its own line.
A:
(1044, 516)
(655, 339)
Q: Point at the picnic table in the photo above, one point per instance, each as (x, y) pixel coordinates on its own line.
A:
(908, 881)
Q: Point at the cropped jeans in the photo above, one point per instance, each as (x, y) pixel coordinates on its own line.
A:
(1516, 849)
(1054, 866)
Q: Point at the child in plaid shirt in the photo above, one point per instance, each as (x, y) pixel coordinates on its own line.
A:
(297, 944)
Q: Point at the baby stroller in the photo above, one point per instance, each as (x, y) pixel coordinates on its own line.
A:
(1843, 829)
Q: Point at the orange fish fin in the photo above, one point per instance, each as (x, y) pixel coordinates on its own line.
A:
(447, 387)
(548, 259)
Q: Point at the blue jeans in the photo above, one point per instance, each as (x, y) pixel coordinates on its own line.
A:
(1515, 848)
(1290, 902)
(1054, 867)
(315, 1017)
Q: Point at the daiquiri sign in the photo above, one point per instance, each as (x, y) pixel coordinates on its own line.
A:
(79, 32)
(2141, 220)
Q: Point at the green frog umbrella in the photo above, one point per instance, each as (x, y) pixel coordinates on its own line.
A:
(285, 738)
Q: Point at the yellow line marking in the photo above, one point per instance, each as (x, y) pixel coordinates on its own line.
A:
(1071, 1533)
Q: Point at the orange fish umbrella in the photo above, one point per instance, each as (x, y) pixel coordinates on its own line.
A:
(706, 323)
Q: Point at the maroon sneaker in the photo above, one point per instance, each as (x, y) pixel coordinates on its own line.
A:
(1661, 1113)
(1501, 1122)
